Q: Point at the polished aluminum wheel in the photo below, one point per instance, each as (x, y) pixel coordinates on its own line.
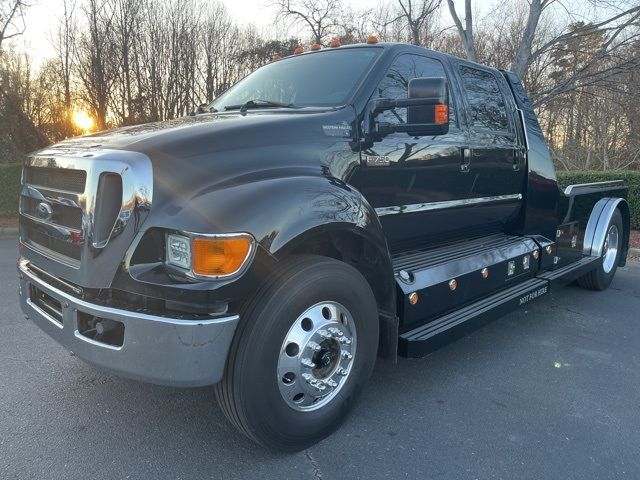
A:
(610, 250)
(317, 356)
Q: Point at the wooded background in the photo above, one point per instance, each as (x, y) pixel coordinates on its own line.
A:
(133, 61)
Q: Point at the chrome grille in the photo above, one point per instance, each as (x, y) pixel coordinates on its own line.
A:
(77, 206)
(67, 180)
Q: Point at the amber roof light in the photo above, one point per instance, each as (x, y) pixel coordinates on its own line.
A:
(372, 40)
(335, 42)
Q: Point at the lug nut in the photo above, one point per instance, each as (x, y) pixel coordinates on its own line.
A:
(324, 334)
(308, 363)
(313, 346)
(347, 355)
(331, 383)
(336, 331)
(345, 340)
(341, 371)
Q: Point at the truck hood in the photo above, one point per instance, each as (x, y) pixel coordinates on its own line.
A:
(194, 135)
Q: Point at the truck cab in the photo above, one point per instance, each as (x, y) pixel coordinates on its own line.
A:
(331, 207)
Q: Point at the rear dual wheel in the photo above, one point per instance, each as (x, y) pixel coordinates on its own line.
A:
(305, 347)
(601, 277)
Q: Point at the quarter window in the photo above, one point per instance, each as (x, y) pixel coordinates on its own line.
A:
(487, 108)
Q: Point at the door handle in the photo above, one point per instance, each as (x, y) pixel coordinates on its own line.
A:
(518, 157)
(465, 160)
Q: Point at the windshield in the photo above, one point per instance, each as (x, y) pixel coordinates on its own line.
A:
(326, 78)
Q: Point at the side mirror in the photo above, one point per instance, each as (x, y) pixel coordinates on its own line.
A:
(427, 109)
(436, 112)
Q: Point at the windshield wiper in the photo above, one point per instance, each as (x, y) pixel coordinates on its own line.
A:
(257, 103)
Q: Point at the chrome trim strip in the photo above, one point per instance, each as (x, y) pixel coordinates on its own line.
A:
(612, 183)
(425, 207)
(53, 225)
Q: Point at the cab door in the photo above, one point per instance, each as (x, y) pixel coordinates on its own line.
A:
(497, 157)
(408, 174)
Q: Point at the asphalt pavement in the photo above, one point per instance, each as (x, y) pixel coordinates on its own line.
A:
(550, 392)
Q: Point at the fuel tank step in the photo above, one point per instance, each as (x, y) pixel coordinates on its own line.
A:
(432, 282)
(429, 337)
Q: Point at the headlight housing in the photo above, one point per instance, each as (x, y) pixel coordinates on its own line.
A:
(179, 251)
(209, 256)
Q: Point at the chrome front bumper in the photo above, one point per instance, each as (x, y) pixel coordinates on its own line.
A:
(155, 349)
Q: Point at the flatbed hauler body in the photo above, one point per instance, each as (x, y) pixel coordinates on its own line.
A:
(334, 205)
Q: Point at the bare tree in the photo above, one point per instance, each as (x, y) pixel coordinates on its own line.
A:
(417, 15)
(12, 19)
(466, 31)
(319, 16)
(63, 43)
(96, 58)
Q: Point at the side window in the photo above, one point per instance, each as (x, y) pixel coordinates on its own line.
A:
(487, 109)
(394, 84)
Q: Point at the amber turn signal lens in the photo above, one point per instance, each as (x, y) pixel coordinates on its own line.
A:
(413, 298)
(219, 255)
(441, 114)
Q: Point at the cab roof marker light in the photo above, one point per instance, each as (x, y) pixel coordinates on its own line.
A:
(298, 51)
(334, 43)
(372, 40)
(315, 47)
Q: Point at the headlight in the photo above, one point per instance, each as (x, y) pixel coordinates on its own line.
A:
(179, 251)
(210, 255)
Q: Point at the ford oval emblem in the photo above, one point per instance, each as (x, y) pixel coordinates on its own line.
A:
(44, 211)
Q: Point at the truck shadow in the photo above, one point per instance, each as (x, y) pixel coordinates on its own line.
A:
(184, 433)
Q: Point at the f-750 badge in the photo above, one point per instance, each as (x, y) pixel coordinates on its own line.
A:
(376, 160)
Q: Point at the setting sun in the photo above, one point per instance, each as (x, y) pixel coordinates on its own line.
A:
(83, 120)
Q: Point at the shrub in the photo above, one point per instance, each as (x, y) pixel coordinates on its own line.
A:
(9, 189)
(630, 177)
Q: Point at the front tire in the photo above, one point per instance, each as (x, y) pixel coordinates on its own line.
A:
(304, 349)
(601, 277)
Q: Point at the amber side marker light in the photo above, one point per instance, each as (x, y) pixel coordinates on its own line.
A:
(219, 256)
(441, 114)
(413, 298)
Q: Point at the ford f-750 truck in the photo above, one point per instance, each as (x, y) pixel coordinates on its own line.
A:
(331, 207)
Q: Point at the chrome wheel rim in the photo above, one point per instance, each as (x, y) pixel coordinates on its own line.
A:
(316, 356)
(610, 250)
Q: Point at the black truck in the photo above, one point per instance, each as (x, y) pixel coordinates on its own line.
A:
(331, 207)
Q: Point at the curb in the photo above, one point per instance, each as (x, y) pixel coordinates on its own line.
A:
(8, 232)
(634, 251)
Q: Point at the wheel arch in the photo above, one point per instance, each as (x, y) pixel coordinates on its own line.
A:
(369, 255)
(599, 219)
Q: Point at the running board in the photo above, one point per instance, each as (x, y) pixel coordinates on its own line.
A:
(429, 337)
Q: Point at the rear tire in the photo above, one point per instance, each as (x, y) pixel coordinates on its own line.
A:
(270, 382)
(601, 277)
